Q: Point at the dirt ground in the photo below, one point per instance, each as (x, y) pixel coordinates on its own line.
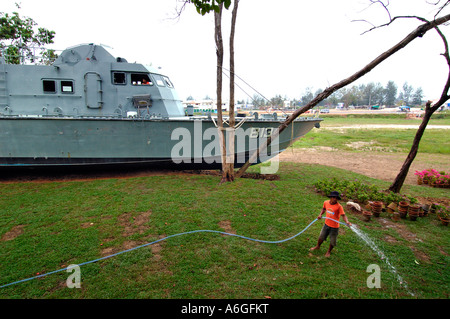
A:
(378, 165)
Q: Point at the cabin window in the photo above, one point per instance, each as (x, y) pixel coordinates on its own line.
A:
(119, 78)
(140, 79)
(67, 86)
(159, 80)
(49, 86)
(168, 83)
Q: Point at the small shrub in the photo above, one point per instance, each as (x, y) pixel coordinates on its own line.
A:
(357, 191)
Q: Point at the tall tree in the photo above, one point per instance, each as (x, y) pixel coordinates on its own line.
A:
(228, 168)
(369, 94)
(20, 39)
(219, 53)
(258, 101)
(307, 96)
(406, 95)
(390, 93)
(417, 97)
(203, 7)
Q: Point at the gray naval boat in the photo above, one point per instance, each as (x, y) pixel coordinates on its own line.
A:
(90, 109)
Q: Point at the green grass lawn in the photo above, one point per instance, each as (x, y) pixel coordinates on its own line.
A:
(48, 226)
(438, 118)
(434, 141)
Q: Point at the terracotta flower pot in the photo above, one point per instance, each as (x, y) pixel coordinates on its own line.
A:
(403, 209)
(425, 211)
(444, 221)
(392, 207)
(377, 204)
(403, 213)
(403, 204)
(396, 216)
(367, 215)
(412, 209)
(376, 208)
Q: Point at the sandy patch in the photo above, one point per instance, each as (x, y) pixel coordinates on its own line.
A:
(13, 233)
(384, 166)
(226, 226)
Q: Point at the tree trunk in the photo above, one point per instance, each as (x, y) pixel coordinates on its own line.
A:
(429, 110)
(219, 53)
(400, 179)
(418, 32)
(228, 168)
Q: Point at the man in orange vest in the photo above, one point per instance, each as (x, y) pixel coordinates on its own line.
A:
(333, 211)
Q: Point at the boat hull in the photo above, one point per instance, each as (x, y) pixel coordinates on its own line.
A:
(161, 143)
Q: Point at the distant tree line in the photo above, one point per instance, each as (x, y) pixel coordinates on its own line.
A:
(358, 96)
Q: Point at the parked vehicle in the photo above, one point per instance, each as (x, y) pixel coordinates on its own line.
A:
(404, 108)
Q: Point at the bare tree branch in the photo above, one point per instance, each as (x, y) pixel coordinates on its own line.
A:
(384, 6)
(441, 8)
(418, 32)
(391, 20)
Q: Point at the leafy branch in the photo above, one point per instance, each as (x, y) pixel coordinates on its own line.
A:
(19, 39)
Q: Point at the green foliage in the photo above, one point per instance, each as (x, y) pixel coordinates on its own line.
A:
(442, 211)
(360, 192)
(206, 6)
(19, 39)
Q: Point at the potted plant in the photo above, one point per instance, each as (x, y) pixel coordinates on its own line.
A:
(426, 176)
(413, 211)
(433, 208)
(443, 214)
(420, 176)
(367, 215)
(392, 207)
(425, 209)
(376, 207)
(403, 209)
(445, 180)
(396, 216)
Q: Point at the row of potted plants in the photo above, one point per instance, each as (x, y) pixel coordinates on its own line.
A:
(404, 210)
(433, 178)
(397, 210)
(373, 200)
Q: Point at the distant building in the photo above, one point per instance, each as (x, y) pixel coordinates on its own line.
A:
(205, 106)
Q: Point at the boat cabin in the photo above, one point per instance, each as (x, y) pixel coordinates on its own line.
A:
(86, 80)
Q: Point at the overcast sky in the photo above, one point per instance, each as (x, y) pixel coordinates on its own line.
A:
(282, 47)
